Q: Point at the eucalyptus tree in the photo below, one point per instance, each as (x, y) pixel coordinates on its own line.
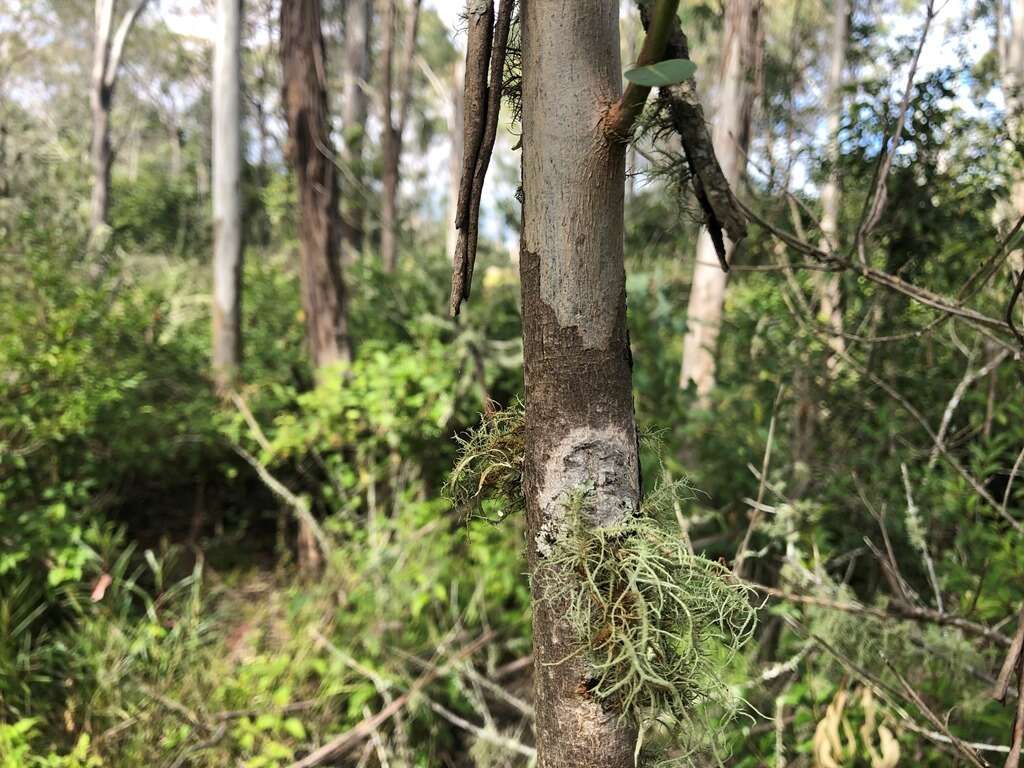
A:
(310, 153)
(740, 61)
(227, 201)
(108, 50)
(581, 468)
(831, 192)
(354, 110)
(396, 97)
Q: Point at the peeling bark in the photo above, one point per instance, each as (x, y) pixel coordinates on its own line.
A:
(580, 427)
(311, 155)
(481, 130)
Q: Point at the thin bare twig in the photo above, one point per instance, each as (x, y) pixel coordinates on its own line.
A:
(741, 554)
(961, 389)
(484, 734)
(875, 204)
(895, 610)
(913, 513)
(346, 741)
(964, 749)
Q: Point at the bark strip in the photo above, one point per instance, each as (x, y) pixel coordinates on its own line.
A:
(714, 194)
(480, 131)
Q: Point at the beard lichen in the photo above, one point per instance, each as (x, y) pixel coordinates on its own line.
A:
(656, 623)
(487, 479)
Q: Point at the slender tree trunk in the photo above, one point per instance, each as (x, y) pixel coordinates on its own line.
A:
(227, 204)
(175, 142)
(1011, 56)
(831, 194)
(101, 156)
(456, 111)
(311, 155)
(394, 125)
(108, 48)
(580, 426)
(355, 101)
(731, 137)
(100, 97)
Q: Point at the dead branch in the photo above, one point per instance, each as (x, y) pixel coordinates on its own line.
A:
(484, 734)
(299, 505)
(875, 204)
(480, 130)
(345, 742)
(722, 214)
(896, 610)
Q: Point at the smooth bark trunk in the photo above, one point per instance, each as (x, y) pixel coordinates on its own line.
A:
(831, 195)
(1010, 50)
(311, 156)
(227, 204)
(731, 135)
(580, 430)
(101, 157)
(394, 124)
(355, 103)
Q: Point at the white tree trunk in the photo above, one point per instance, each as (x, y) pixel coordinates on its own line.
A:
(227, 204)
(831, 194)
(731, 138)
(99, 102)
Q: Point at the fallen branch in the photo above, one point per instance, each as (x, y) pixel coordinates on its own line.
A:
(343, 743)
(484, 734)
(298, 504)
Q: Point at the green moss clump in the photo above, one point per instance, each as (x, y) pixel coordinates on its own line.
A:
(487, 479)
(654, 620)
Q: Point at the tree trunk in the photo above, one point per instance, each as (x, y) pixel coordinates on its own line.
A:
(100, 97)
(310, 153)
(456, 110)
(580, 427)
(101, 156)
(227, 204)
(394, 125)
(731, 137)
(831, 194)
(353, 120)
(108, 47)
(1011, 56)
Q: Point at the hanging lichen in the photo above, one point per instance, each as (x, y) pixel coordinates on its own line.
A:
(655, 621)
(487, 479)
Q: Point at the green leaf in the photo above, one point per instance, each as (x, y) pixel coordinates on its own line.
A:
(668, 72)
(294, 728)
